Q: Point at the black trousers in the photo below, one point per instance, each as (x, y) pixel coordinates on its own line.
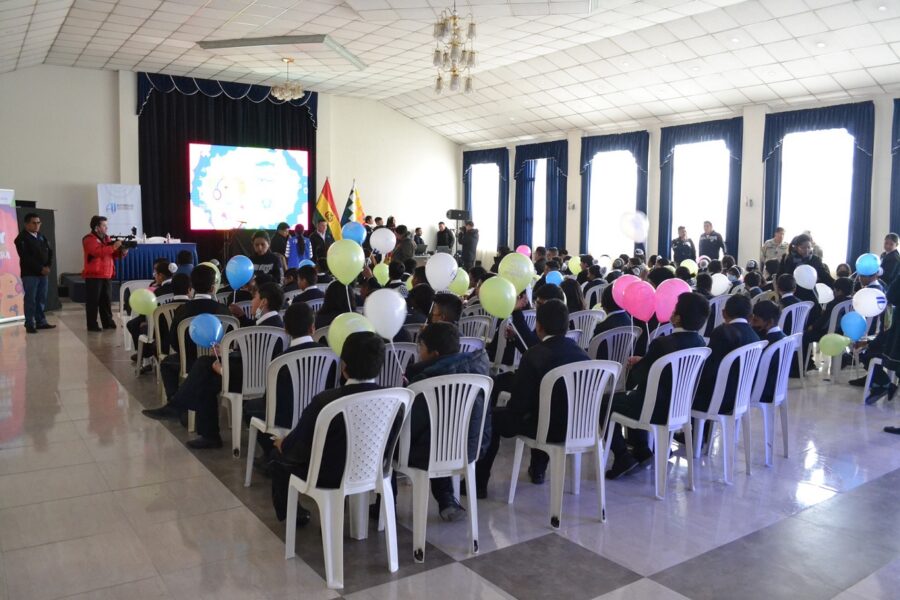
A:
(97, 300)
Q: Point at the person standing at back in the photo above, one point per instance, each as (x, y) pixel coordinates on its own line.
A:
(711, 242)
(468, 243)
(775, 248)
(445, 237)
(683, 247)
(99, 252)
(280, 240)
(35, 261)
(890, 259)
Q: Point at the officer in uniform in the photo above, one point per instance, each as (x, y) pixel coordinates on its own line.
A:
(775, 248)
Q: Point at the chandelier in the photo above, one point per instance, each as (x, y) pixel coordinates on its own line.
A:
(453, 54)
(289, 90)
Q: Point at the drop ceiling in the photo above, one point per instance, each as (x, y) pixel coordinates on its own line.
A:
(545, 67)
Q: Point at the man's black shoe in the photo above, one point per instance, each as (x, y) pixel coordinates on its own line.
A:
(109, 326)
(30, 329)
(536, 478)
(876, 394)
(146, 369)
(94, 328)
(203, 443)
(480, 493)
(894, 430)
(858, 382)
(622, 466)
(45, 326)
(134, 357)
(303, 517)
(163, 413)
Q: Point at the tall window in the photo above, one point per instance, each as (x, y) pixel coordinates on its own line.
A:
(816, 178)
(485, 182)
(539, 224)
(613, 191)
(700, 187)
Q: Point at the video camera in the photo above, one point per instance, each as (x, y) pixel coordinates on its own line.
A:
(128, 241)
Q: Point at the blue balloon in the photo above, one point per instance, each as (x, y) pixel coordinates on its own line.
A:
(307, 263)
(853, 325)
(206, 330)
(354, 231)
(868, 264)
(239, 271)
(554, 278)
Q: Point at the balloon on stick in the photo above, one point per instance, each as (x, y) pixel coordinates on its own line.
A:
(640, 300)
(853, 325)
(386, 311)
(720, 284)
(239, 271)
(206, 330)
(354, 231)
(345, 324)
(142, 302)
(381, 274)
(516, 269)
(383, 240)
(574, 266)
(524, 250)
(868, 264)
(806, 276)
(667, 297)
(690, 265)
(833, 344)
(345, 260)
(440, 270)
(869, 302)
(460, 283)
(635, 226)
(554, 278)
(824, 293)
(498, 297)
(620, 285)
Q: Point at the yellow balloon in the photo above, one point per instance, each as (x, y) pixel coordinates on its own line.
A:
(691, 266)
(517, 269)
(345, 324)
(345, 260)
(216, 271)
(142, 302)
(409, 284)
(575, 265)
(498, 296)
(833, 344)
(460, 283)
(381, 273)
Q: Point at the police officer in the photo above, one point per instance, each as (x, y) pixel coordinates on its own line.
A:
(775, 248)
(711, 242)
(683, 247)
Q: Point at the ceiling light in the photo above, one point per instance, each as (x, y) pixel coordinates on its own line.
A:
(882, 7)
(453, 54)
(289, 90)
(695, 69)
(625, 64)
(735, 40)
(821, 44)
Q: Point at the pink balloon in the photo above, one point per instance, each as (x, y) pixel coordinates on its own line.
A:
(620, 285)
(667, 296)
(640, 300)
(523, 249)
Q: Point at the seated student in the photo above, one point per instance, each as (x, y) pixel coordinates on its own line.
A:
(419, 304)
(520, 336)
(689, 316)
(409, 267)
(552, 265)
(267, 300)
(307, 278)
(704, 285)
(765, 323)
(574, 296)
(887, 347)
(771, 267)
(617, 266)
(418, 276)
(336, 303)
(593, 278)
(734, 278)
(395, 278)
(752, 282)
(714, 266)
(290, 281)
(843, 290)
(185, 262)
(445, 308)
(843, 270)
(439, 354)
(684, 274)
(520, 415)
(162, 282)
(367, 286)
(615, 315)
(361, 360)
(872, 281)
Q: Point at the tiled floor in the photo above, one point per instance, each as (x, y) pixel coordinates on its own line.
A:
(98, 502)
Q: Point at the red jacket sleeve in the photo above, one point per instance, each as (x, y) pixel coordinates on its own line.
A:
(94, 247)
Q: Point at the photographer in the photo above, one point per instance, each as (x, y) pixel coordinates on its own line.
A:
(99, 252)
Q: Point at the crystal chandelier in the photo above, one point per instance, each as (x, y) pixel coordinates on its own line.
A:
(453, 54)
(289, 90)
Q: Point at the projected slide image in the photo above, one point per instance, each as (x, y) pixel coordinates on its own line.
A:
(255, 188)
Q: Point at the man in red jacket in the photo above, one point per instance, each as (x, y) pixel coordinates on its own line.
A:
(99, 252)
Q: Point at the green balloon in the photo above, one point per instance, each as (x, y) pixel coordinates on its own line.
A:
(833, 344)
(409, 284)
(517, 269)
(574, 265)
(345, 260)
(345, 324)
(460, 283)
(381, 273)
(142, 302)
(498, 296)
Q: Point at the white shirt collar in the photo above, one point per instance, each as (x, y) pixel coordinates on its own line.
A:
(615, 312)
(204, 296)
(300, 340)
(788, 295)
(267, 316)
(181, 297)
(775, 329)
(352, 381)
(681, 330)
(733, 321)
(34, 233)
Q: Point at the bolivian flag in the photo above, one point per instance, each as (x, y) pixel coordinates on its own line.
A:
(326, 211)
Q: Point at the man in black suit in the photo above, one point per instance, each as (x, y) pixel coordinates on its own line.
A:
(520, 415)
(361, 360)
(688, 318)
(318, 239)
(765, 323)
(307, 278)
(890, 259)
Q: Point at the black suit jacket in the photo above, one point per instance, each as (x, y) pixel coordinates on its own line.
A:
(769, 388)
(890, 264)
(192, 308)
(724, 339)
(613, 320)
(164, 288)
(310, 293)
(319, 246)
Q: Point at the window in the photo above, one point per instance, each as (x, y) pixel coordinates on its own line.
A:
(817, 172)
(539, 222)
(613, 190)
(485, 182)
(700, 188)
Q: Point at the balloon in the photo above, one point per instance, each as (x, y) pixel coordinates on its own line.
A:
(383, 240)
(620, 285)
(386, 310)
(239, 271)
(833, 344)
(574, 266)
(215, 268)
(635, 226)
(667, 296)
(869, 302)
(307, 263)
(604, 262)
(409, 284)
(345, 324)
(640, 300)
(720, 284)
(460, 283)
(440, 270)
(516, 269)
(554, 278)
(825, 293)
(806, 277)
(867, 264)
(345, 261)
(498, 297)
(381, 273)
(524, 250)
(853, 325)
(671, 269)
(206, 330)
(142, 302)
(354, 231)
(690, 265)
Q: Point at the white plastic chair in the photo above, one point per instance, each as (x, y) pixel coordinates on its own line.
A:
(586, 321)
(470, 344)
(685, 366)
(785, 348)
(289, 296)
(477, 327)
(593, 295)
(747, 357)
(320, 335)
(585, 383)
(224, 297)
(246, 306)
(163, 312)
(368, 418)
(661, 331)
(413, 330)
(323, 286)
(530, 320)
(716, 306)
(840, 309)
(574, 335)
(126, 288)
(475, 310)
(315, 305)
(308, 370)
(770, 296)
(619, 344)
(257, 346)
(799, 313)
(397, 358)
(450, 400)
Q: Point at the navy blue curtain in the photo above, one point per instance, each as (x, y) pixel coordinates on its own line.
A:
(557, 155)
(859, 121)
(731, 131)
(895, 169)
(638, 143)
(499, 157)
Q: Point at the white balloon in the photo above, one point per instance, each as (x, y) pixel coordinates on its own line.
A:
(869, 302)
(386, 310)
(383, 240)
(440, 271)
(825, 293)
(635, 226)
(720, 284)
(604, 262)
(806, 277)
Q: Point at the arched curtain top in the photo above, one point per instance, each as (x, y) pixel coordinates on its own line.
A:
(556, 150)
(858, 119)
(895, 134)
(148, 82)
(636, 142)
(728, 130)
(498, 156)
